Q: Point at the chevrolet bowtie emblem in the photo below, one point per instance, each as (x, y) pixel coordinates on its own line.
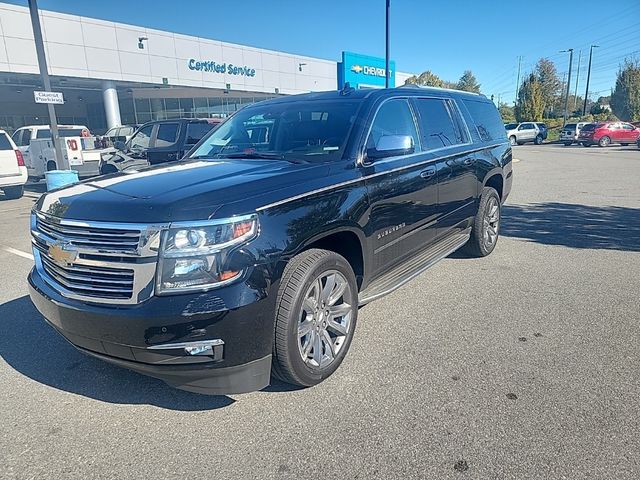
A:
(63, 254)
(356, 69)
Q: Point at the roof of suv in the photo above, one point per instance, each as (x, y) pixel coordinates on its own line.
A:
(375, 93)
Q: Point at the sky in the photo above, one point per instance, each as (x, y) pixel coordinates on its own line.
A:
(446, 37)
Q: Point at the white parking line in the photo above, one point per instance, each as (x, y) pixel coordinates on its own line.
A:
(19, 253)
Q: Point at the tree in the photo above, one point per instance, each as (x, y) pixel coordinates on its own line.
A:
(625, 97)
(428, 79)
(506, 112)
(468, 82)
(530, 106)
(549, 83)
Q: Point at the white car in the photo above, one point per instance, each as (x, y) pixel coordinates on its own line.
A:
(13, 172)
(570, 132)
(519, 133)
(22, 138)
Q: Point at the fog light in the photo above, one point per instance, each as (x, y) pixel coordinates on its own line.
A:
(202, 349)
(209, 348)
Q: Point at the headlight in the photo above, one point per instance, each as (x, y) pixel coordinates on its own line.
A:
(195, 256)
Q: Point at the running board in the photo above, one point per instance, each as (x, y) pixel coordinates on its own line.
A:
(406, 271)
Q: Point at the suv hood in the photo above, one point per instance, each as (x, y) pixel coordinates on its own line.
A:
(187, 190)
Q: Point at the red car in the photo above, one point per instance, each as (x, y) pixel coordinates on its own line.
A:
(606, 133)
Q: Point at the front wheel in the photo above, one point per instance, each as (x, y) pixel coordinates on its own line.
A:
(316, 313)
(604, 141)
(538, 140)
(486, 225)
(512, 140)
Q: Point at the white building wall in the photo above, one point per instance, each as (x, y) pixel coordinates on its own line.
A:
(89, 48)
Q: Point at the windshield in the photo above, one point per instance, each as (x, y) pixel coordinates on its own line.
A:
(295, 130)
(510, 126)
(589, 127)
(570, 126)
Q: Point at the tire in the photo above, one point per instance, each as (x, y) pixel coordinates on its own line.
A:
(567, 144)
(487, 220)
(51, 165)
(512, 140)
(13, 193)
(538, 140)
(305, 359)
(624, 144)
(107, 169)
(585, 144)
(604, 141)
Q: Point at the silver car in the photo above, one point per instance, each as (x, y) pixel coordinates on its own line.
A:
(569, 133)
(519, 133)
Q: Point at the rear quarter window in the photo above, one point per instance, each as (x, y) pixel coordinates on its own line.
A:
(487, 120)
(5, 144)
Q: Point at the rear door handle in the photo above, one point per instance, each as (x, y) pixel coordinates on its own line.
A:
(428, 173)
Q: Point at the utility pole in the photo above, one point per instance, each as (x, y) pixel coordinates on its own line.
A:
(575, 94)
(518, 79)
(44, 73)
(386, 48)
(566, 98)
(586, 93)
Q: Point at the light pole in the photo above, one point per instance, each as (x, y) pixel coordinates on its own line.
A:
(518, 79)
(575, 93)
(386, 47)
(566, 98)
(586, 92)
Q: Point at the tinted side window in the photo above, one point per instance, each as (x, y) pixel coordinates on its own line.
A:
(437, 125)
(195, 131)
(393, 118)
(487, 119)
(167, 134)
(5, 144)
(43, 133)
(17, 138)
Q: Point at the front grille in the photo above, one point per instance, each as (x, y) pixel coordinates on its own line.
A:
(91, 281)
(96, 261)
(90, 236)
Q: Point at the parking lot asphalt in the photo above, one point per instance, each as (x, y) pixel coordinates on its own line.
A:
(524, 364)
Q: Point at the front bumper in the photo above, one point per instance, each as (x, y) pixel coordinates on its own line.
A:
(241, 315)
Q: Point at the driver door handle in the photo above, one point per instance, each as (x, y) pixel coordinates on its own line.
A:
(428, 173)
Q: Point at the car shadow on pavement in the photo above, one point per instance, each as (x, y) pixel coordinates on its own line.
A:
(574, 225)
(35, 350)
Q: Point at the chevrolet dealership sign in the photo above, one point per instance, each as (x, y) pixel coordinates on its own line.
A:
(362, 71)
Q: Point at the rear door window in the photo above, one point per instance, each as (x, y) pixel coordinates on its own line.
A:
(141, 139)
(393, 118)
(195, 132)
(5, 144)
(487, 120)
(439, 123)
(167, 134)
(17, 138)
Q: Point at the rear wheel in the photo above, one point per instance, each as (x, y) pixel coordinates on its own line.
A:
(11, 193)
(316, 313)
(585, 144)
(538, 140)
(604, 141)
(512, 140)
(51, 165)
(486, 225)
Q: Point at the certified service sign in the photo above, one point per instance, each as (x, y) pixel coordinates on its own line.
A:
(49, 97)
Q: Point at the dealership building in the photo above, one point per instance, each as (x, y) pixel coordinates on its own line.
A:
(113, 73)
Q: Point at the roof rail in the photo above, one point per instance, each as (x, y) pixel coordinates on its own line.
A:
(415, 85)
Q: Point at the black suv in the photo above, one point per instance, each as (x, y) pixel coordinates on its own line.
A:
(251, 256)
(156, 142)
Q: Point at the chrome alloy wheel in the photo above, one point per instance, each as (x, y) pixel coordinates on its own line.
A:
(325, 319)
(491, 222)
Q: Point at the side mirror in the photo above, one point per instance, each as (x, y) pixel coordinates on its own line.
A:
(392, 146)
(119, 145)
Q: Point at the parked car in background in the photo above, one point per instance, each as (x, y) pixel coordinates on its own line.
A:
(570, 132)
(22, 136)
(519, 133)
(544, 131)
(120, 134)
(252, 256)
(157, 142)
(13, 172)
(606, 133)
